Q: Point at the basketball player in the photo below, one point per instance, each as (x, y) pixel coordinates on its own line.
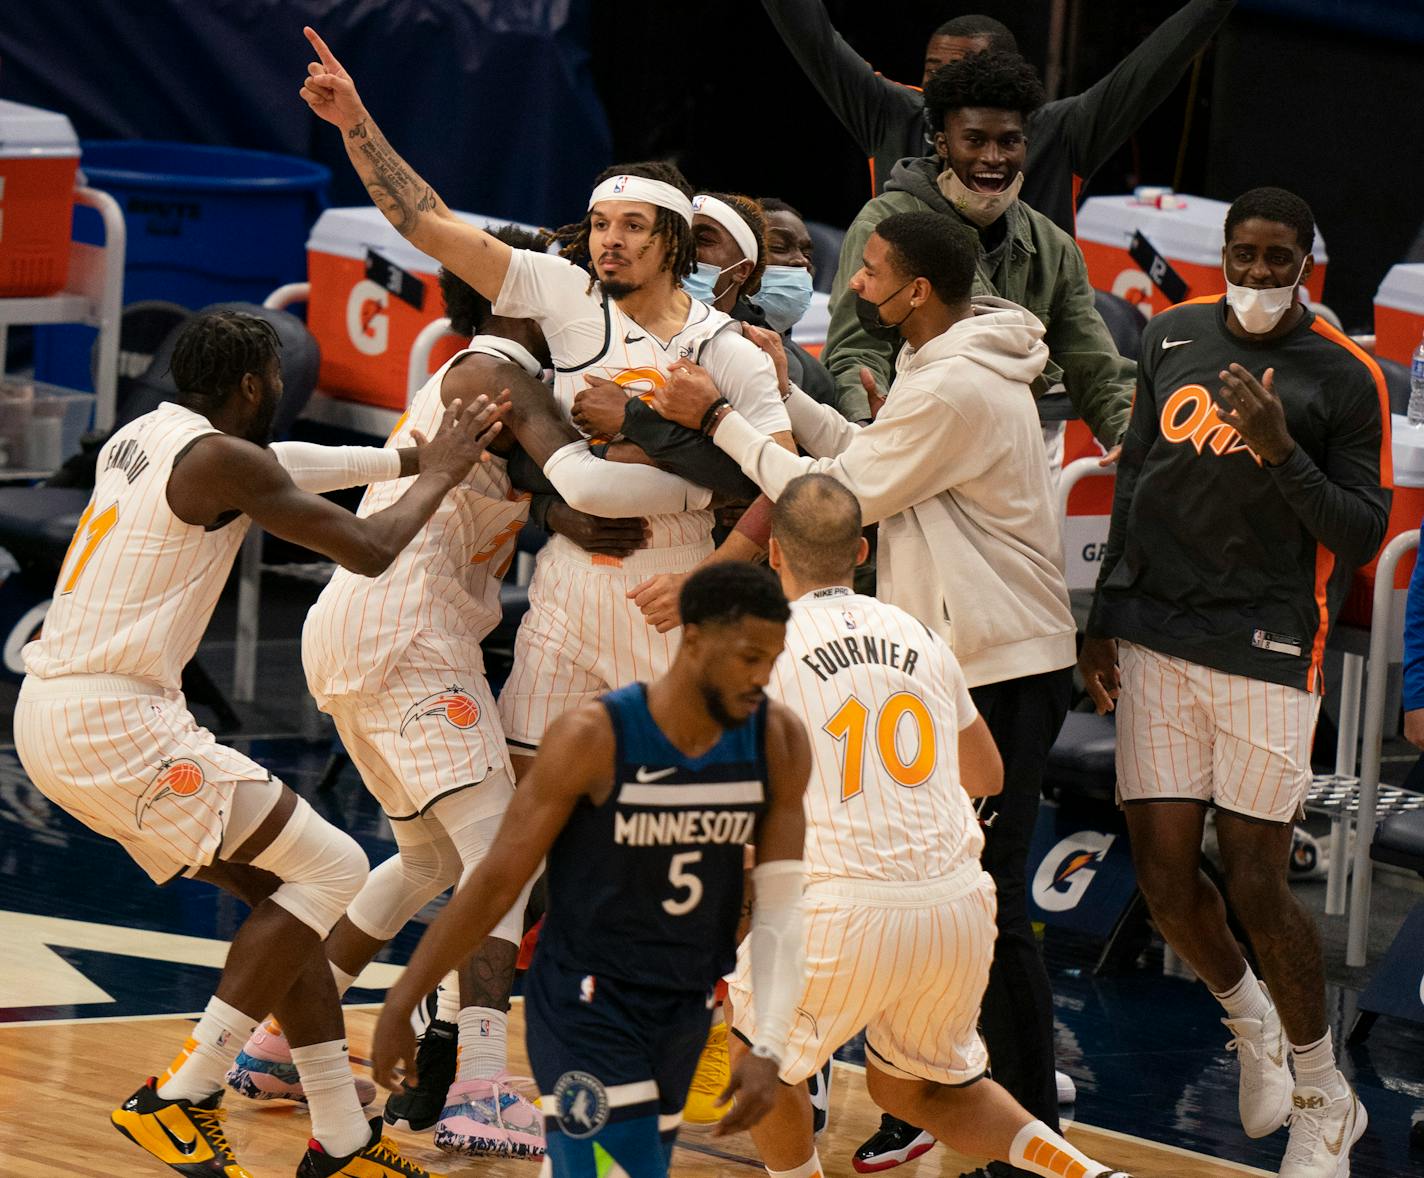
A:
(644, 803)
(102, 729)
(396, 661)
(1253, 482)
(899, 925)
(623, 319)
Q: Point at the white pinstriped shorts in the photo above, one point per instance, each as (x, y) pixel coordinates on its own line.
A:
(1185, 731)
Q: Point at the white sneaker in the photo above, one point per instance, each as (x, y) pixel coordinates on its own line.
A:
(1067, 1090)
(1264, 1090)
(1322, 1132)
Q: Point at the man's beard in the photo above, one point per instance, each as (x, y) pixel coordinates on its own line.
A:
(617, 289)
(259, 429)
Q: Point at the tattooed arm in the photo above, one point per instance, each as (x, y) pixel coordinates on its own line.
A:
(408, 202)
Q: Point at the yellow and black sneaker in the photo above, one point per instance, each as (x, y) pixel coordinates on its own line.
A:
(186, 1135)
(380, 1159)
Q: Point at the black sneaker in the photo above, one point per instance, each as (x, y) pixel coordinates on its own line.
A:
(893, 1144)
(417, 1109)
(380, 1158)
(819, 1086)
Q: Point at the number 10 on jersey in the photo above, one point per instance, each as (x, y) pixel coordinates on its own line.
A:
(851, 725)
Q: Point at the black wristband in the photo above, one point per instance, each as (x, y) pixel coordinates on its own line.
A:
(711, 413)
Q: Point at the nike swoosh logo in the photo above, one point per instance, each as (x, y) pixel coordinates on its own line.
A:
(645, 775)
(632, 339)
(183, 1147)
(1339, 1143)
(1175, 343)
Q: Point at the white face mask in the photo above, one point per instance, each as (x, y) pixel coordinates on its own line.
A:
(982, 208)
(1259, 310)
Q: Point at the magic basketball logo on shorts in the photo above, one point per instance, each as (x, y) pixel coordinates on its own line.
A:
(1065, 872)
(1190, 415)
(178, 777)
(453, 705)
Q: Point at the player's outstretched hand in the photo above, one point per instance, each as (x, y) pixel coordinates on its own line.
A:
(393, 1049)
(872, 392)
(1097, 663)
(593, 533)
(329, 90)
(754, 1083)
(773, 345)
(657, 598)
(465, 433)
(1256, 413)
(600, 408)
(687, 395)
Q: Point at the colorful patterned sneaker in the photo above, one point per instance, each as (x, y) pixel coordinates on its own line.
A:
(490, 1117)
(893, 1144)
(380, 1159)
(184, 1135)
(263, 1070)
(709, 1081)
(416, 1109)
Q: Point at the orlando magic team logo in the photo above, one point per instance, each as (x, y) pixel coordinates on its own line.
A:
(176, 777)
(580, 1104)
(454, 705)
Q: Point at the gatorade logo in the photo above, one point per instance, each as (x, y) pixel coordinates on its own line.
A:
(1136, 288)
(367, 323)
(1068, 869)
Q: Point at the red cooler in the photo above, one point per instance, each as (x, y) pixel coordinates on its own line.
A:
(38, 157)
(1399, 313)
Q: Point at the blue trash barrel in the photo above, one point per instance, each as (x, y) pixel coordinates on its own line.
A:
(205, 225)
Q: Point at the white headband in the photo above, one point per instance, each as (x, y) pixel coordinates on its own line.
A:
(730, 220)
(653, 192)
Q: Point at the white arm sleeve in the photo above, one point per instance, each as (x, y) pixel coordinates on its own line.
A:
(778, 956)
(332, 468)
(618, 490)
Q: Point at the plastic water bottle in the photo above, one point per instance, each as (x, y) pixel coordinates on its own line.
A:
(1416, 386)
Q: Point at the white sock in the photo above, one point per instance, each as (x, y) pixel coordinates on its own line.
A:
(1315, 1067)
(483, 1035)
(809, 1169)
(344, 980)
(199, 1068)
(337, 1121)
(1246, 999)
(447, 999)
(1039, 1150)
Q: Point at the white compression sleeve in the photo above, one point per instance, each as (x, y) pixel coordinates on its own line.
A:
(332, 468)
(616, 490)
(778, 962)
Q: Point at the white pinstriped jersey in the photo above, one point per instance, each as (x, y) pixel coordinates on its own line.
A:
(138, 585)
(446, 579)
(884, 700)
(588, 335)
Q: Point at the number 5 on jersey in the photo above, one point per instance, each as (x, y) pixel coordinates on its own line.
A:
(851, 724)
(98, 526)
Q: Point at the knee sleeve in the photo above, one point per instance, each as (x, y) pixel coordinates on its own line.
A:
(321, 868)
(473, 843)
(401, 886)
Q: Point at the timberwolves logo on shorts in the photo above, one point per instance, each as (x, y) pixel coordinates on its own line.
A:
(580, 1104)
(177, 777)
(454, 705)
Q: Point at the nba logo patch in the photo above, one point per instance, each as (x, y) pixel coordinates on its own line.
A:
(697, 202)
(620, 183)
(586, 988)
(484, 1028)
(849, 619)
(580, 1104)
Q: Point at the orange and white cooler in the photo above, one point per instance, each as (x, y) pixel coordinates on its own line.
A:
(39, 154)
(1189, 237)
(1399, 312)
(365, 331)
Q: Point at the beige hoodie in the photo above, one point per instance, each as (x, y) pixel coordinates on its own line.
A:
(953, 469)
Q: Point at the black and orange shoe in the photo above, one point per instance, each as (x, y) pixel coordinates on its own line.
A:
(184, 1135)
(380, 1159)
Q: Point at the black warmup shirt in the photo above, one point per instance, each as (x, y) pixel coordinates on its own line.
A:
(1214, 557)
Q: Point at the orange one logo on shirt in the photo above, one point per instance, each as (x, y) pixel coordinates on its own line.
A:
(1190, 415)
(454, 705)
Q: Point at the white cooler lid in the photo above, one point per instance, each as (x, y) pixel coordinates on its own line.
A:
(1403, 288)
(349, 233)
(1408, 447)
(27, 132)
(1190, 234)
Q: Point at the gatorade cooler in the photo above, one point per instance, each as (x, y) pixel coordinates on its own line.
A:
(1406, 510)
(1399, 313)
(371, 294)
(38, 157)
(1188, 238)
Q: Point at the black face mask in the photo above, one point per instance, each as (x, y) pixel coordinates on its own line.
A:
(868, 314)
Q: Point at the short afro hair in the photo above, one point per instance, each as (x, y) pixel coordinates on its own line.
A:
(998, 81)
(1274, 204)
(467, 309)
(935, 247)
(998, 34)
(215, 351)
(774, 204)
(723, 594)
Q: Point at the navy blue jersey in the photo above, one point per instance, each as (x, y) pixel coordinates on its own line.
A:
(647, 886)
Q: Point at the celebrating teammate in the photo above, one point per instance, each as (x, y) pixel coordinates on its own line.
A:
(1253, 481)
(899, 923)
(102, 729)
(644, 803)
